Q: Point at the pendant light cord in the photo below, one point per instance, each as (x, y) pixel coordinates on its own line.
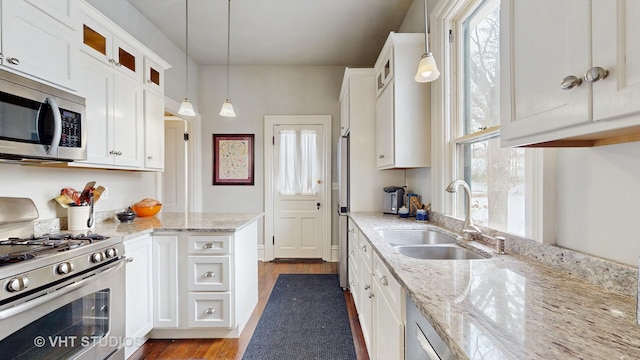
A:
(186, 50)
(426, 28)
(228, 42)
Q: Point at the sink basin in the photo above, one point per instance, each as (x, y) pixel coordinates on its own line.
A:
(438, 252)
(416, 237)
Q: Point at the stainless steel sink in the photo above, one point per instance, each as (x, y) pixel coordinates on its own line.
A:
(438, 252)
(416, 237)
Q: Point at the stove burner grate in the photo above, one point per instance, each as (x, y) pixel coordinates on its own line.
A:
(14, 249)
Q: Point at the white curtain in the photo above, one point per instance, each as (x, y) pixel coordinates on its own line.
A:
(299, 165)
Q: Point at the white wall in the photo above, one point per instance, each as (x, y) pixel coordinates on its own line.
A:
(599, 201)
(418, 180)
(256, 91)
(131, 20)
(43, 184)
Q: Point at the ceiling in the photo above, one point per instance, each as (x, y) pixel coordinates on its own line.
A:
(279, 32)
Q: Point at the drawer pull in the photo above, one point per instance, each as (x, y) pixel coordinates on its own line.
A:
(210, 311)
(371, 295)
(367, 286)
(209, 274)
(209, 246)
(383, 280)
(364, 248)
(130, 259)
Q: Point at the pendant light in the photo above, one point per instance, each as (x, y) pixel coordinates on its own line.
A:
(186, 108)
(227, 108)
(427, 68)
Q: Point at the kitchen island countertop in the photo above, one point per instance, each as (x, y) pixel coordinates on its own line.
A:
(192, 222)
(509, 306)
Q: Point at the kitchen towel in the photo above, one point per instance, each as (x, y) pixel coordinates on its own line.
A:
(305, 318)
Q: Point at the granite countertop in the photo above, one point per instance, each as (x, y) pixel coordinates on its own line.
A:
(193, 222)
(509, 306)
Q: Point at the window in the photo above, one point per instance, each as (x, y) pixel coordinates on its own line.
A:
(495, 176)
(299, 162)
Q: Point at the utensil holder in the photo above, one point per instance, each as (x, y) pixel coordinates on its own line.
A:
(77, 217)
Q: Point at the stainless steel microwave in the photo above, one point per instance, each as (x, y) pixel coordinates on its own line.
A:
(40, 122)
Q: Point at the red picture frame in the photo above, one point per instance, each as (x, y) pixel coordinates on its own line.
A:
(233, 159)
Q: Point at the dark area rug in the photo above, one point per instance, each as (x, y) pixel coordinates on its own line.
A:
(305, 318)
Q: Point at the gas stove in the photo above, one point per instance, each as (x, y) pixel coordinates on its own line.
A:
(33, 262)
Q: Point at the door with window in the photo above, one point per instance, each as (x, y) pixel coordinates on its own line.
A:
(297, 175)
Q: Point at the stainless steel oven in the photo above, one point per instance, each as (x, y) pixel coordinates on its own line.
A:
(62, 296)
(79, 319)
(41, 122)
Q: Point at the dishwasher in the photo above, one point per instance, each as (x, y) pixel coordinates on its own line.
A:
(421, 340)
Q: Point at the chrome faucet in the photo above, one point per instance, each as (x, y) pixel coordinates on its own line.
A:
(470, 228)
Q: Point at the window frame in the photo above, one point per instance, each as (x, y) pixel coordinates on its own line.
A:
(540, 164)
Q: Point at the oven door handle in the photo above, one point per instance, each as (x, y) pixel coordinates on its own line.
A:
(57, 129)
(7, 313)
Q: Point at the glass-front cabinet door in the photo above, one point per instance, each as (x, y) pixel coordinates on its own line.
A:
(100, 43)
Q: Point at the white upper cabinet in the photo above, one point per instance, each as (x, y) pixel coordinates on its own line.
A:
(123, 83)
(100, 41)
(64, 11)
(39, 39)
(153, 130)
(616, 48)
(114, 117)
(548, 98)
(403, 121)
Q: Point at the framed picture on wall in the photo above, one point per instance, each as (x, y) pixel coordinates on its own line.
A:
(233, 159)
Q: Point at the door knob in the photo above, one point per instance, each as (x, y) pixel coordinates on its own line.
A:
(595, 74)
(318, 205)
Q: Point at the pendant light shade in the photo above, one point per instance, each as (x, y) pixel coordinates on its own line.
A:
(427, 68)
(227, 108)
(186, 108)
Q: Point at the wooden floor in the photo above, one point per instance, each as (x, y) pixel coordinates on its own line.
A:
(234, 348)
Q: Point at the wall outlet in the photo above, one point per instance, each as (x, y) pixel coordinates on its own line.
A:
(105, 193)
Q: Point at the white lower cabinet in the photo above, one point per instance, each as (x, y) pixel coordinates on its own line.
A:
(165, 278)
(379, 299)
(388, 313)
(209, 310)
(139, 292)
(207, 283)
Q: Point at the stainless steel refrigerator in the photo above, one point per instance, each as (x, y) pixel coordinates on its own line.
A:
(343, 208)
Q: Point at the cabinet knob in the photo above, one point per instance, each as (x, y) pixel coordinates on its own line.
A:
(209, 274)
(381, 156)
(570, 82)
(150, 157)
(13, 61)
(595, 74)
(367, 286)
(209, 246)
(112, 61)
(384, 281)
(371, 295)
(210, 311)
(129, 259)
